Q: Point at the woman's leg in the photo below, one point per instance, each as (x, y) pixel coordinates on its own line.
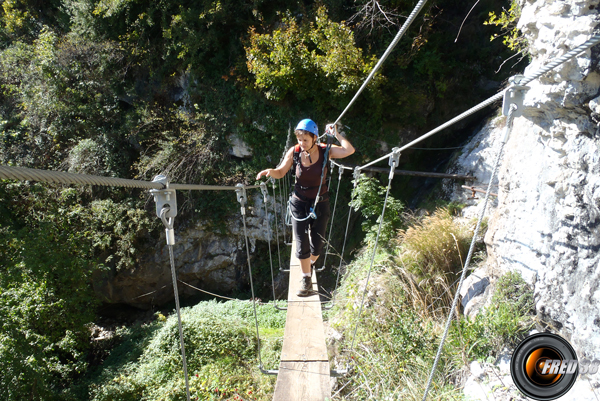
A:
(317, 230)
(300, 228)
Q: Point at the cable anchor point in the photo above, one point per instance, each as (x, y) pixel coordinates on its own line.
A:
(166, 206)
(514, 94)
(394, 161)
(241, 197)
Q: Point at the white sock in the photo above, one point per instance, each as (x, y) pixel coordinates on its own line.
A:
(306, 274)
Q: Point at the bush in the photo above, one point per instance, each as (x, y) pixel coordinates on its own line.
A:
(220, 344)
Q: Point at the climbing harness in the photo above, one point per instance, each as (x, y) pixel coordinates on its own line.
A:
(241, 198)
(312, 211)
(166, 209)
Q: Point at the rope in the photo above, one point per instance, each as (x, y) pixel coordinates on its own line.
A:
(341, 166)
(263, 188)
(61, 177)
(243, 212)
(399, 35)
(208, 292)
(332, 215)
(169, 225)
(508, 128)
(30, 174)
(276, 225)
(387, 192)
(527, 79)
(337, 280)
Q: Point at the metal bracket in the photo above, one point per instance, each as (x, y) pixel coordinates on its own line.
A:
(263, 188)
(166, 206)
(514, 94)
(164, 197)
(241, 197)
(356, 176)
(394, 161)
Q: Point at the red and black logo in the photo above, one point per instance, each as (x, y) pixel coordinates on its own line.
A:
(544, 366)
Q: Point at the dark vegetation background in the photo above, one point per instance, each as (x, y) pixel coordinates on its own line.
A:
(133, 88)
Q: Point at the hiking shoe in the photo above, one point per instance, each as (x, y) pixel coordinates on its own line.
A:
(305, 288)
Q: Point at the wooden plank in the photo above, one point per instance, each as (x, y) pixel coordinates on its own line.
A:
(303, 381)
(304, 334)
(304, 368)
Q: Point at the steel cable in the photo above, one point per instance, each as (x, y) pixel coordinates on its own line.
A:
(509, 122)
(387, 52)
(527, 79)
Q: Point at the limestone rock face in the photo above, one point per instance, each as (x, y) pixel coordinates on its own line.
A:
(546, 220)
(203, 259)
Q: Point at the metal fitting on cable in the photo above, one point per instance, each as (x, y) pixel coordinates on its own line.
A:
(514, 94)
(394, 161)
(263, 189)
(241, 197)
(166, 206)
(356, 175)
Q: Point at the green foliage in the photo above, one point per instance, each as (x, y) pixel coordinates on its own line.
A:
(313, 60)
(405, 315)
(501, 324)
(368, 197)
(220, 344)
(507, 21)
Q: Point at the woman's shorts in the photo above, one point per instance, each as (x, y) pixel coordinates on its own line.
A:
(309, 234)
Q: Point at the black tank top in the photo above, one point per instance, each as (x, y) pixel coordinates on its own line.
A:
(307, 178)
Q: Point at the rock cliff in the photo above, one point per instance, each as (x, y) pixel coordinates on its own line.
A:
(203, 258)
(546, 221)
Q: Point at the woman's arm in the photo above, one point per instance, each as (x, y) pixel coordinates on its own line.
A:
(282, 169)
(339, 152)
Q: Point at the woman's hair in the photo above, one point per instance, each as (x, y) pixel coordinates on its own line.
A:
(299, 132)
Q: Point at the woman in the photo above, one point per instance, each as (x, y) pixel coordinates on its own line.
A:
(310, 157)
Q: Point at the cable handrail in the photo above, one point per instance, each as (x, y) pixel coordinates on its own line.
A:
(524, 81)
(63, 177)
(387, 52)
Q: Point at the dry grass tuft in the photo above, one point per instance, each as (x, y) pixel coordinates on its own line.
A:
(429, 259)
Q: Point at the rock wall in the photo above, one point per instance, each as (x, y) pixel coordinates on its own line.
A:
(204, 259)
(546, 221)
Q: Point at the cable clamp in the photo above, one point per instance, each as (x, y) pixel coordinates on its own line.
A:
(241, 197)
(394, 161)
(166, 206)
(356, 175)
(514, 94)
(263, 188)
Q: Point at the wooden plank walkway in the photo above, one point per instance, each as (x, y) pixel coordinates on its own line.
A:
(304, 367)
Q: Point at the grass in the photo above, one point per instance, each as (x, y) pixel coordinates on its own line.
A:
(221, 353)
(407, 304)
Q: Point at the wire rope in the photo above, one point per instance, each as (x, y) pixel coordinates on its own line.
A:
(509, 122)
(251, 284)
(393, 164)
(263, 188)
(276, 224)
(332, 216)
(169, 225)
(387, 52)
(242, 199)
(62, 177)
(524, 81)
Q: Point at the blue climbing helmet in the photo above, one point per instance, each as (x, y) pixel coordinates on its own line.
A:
(308, 125)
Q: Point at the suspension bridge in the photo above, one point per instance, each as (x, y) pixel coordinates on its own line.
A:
(304, 370)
